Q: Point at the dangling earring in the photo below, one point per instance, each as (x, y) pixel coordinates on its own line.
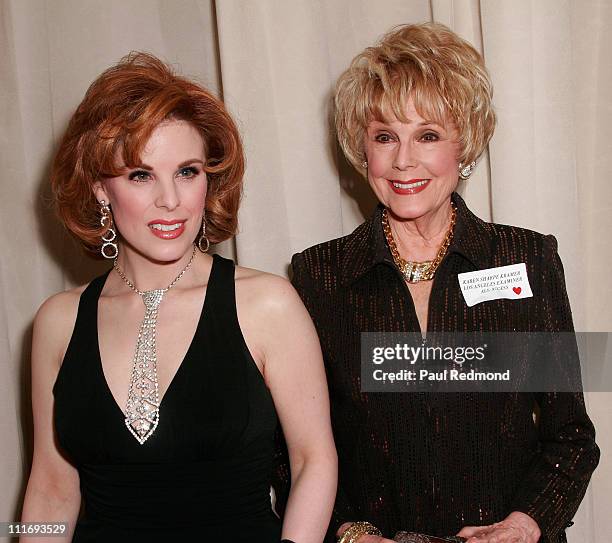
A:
(203, 243)
(466, 171)
(110, 235)
(364, 164)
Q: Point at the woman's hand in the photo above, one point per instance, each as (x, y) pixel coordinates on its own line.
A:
(363, 538)
(517, 527)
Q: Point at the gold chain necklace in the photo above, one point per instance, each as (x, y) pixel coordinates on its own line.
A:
(415, 272)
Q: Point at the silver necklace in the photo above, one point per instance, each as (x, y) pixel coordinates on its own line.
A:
(142, 409)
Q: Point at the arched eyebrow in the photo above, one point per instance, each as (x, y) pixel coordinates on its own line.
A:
(419, 124)
(426, 122)
(189, 162)
(181, 165)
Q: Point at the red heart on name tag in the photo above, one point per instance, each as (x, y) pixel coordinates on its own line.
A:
(517, 290)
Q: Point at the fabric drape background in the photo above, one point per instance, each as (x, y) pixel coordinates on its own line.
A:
(275, 62)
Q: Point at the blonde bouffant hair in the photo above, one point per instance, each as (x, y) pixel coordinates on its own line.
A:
(443, 74)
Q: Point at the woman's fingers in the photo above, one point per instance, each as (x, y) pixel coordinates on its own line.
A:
(517, 527)
(498, 535)
(470, 531)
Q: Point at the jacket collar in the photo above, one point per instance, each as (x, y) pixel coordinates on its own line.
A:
(366, 247)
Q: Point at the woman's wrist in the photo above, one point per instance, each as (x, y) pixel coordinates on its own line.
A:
(527, 524)
(343, 528)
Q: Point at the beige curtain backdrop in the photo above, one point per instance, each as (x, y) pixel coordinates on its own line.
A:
(274, 62)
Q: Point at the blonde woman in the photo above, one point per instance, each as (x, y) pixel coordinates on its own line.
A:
(413, 116)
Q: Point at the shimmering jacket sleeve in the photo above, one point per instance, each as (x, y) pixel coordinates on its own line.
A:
(557, 479)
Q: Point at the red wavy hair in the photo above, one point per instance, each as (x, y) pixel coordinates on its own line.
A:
(118, 114)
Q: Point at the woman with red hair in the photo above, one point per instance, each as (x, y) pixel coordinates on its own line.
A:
(157, 388)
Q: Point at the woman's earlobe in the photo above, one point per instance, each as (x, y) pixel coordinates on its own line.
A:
(99, 192)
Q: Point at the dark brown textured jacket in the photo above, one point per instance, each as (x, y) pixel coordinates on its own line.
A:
(437, 462)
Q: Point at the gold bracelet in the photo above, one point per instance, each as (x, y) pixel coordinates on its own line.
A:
(356, 530)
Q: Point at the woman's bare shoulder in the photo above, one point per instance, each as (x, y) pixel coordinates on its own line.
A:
(270, 311)
(57, 305)
(251, 274)
(55, 320)
(264, 289)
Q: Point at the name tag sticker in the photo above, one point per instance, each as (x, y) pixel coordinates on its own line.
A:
(508, 282)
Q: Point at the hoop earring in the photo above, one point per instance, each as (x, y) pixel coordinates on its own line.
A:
(110, 235)
(466, 171)
(203, 243)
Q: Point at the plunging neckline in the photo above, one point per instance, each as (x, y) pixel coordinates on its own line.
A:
(100, 366)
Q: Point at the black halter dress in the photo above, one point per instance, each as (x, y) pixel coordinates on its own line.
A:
(204, 474)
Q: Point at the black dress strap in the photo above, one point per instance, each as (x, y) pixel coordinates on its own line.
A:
(84, 336)
(223, 295)
(93, 290)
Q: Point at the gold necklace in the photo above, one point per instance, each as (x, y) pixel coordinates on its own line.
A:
(414, 272)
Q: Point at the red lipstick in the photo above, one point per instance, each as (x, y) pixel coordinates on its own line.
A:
(167, 229)
(413, 186)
